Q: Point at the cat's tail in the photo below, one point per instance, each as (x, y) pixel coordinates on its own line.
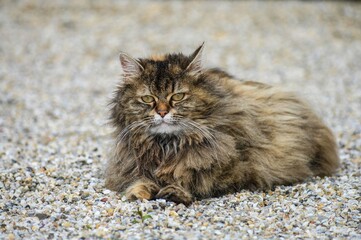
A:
(326, 160)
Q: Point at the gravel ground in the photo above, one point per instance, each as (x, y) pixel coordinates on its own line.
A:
(59, 65)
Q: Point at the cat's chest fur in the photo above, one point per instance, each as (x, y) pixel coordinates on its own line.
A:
(176, 158)
(159, 158)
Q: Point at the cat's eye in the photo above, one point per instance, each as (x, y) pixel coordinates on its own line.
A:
(148, 99)
(178, 96)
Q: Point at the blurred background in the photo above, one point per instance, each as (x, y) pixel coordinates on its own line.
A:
(59, 60)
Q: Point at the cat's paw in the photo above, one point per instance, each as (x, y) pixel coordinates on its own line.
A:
(141, 190)
(175, 194)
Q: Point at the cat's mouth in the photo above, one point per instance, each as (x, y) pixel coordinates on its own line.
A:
(163, 121)
(164, 126)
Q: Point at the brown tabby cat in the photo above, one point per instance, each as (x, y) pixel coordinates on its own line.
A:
(184, 132)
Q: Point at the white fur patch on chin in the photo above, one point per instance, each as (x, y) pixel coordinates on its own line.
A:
(164, 125)
(165, 128)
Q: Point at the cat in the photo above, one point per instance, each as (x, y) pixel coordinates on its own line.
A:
(184, 132)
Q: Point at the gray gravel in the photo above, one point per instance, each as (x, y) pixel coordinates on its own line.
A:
(59, 65)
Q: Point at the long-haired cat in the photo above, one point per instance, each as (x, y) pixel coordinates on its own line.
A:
(184, 132)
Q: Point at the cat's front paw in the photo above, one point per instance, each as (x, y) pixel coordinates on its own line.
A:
(141, 190)
(175, 194)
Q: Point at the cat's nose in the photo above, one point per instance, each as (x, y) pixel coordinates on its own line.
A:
(162, 113)
(162, 108)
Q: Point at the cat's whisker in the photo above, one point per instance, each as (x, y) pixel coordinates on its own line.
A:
(203, 129)
(199, 129)
(129, 127)
(204, 132)
(132, 127)
(211, 139)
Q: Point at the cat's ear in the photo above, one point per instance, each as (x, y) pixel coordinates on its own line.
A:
(131, 67)
(195, 66)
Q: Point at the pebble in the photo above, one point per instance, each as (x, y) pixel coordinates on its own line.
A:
(59, 67)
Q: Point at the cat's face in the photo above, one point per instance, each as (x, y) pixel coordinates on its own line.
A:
(163, 110)
(164, 96)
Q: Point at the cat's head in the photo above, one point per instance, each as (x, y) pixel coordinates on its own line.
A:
(164, 95)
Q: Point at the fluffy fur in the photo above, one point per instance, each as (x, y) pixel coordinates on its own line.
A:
(224, 134)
